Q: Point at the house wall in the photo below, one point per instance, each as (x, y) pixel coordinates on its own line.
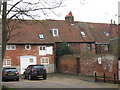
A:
(78, 47)
(88, 66)
(20, 50)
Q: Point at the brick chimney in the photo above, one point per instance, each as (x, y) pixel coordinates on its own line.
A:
(113, 29)
(69, 18)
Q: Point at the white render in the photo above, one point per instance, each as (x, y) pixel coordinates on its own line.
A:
(24, 62)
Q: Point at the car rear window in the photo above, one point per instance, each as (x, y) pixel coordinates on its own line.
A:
(11, 69)
(36, 67)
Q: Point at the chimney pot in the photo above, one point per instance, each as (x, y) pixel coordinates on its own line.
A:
(114, 22)
(111, 21)
(69, 18)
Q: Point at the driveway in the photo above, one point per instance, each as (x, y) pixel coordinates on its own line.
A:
(60, 81)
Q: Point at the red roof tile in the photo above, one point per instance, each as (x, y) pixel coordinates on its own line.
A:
(27, 32)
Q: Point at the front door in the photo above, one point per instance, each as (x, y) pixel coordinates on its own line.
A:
(26, 61)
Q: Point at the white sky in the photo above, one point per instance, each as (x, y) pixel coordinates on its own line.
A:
(101, 11)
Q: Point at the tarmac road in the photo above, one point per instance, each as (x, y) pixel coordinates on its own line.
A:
(58, 81)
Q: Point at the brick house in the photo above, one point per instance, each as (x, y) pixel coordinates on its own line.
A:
(34, 42)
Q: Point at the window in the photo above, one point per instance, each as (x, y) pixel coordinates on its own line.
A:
(83, 34)
(107, 33)
(6, 62)
(89, 47)
(31, 60)
(10, 47)
(44, 50)
(41, 36)
(27, 47)
(102, 48)
(44, 60)
(54, 32)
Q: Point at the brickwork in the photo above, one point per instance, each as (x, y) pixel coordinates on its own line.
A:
(88, 66)
(82, 47)
(14, 55)
(67, 65)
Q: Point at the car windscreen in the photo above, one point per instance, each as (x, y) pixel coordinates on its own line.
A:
(36, 67)
(10, 70)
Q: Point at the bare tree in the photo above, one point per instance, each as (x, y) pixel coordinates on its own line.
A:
(32, 9)
(19, 10)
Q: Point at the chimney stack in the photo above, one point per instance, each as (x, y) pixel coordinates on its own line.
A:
(114, 22)
(69, 18)
(111, 21)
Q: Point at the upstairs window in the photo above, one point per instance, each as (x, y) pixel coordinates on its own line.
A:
(89, 47)
(27, 47)
(10, 47)
(83, 34)
(45, 50)
(107, 33)
(42, 50)
(54, 32)
(41, 36)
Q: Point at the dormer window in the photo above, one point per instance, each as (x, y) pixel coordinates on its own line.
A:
(83, 34)
(41, 36)
(107, 33)
(54, 32)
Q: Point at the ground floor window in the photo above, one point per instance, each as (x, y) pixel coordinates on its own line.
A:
(44, 60)
(6, 62)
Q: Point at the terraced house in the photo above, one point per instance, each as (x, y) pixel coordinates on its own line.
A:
(34, 42)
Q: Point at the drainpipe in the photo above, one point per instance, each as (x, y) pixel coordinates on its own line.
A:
(4, 30)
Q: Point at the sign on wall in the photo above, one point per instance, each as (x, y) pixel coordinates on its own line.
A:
(99, 60)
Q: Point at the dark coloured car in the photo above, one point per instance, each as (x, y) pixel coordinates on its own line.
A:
(35, 72)
(10, 74)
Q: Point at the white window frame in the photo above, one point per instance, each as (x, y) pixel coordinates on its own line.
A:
(83, 34)
(27, 48)
(42, 60)
(47, 51)
(42, 52)
(107, 33)
(9, 47)
(41, 36)
(6, 62)
(55, 33)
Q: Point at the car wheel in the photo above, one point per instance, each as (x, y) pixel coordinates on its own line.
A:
(44, 77)
(17, 79)
(30, 77)
(25, 77)
(3, 80)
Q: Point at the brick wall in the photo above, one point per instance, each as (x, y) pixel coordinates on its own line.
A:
(88, 66)
(67, 65)
(14, 55)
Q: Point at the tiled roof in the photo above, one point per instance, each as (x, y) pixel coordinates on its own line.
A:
(27, 32)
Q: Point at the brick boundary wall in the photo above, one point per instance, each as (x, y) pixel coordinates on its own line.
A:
(88, 66)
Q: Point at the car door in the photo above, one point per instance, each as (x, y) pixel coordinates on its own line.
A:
(27, 72)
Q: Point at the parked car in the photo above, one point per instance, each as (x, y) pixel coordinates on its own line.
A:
(10, 74)
(35, 72)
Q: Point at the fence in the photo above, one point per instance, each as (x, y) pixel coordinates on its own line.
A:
(105, 78)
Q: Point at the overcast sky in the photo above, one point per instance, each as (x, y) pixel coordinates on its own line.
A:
(90, 10)
(100, 11)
